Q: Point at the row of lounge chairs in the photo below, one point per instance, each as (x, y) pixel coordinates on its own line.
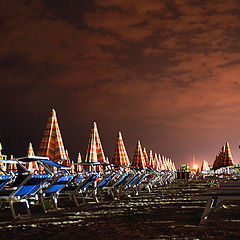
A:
(46, 188)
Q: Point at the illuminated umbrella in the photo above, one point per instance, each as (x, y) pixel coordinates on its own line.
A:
(94, 150)
(120, 157)
(30, 153)
(1, 163)
(52, 144)
(95, 145)
(66, 162)
(164, 161)
(160, 162)
(156, 162)
(78, 167)
(205, 166)
(146, 157)
(228, 161)
(11, 166)
(151, 163)
(108, 167)
(138, 159)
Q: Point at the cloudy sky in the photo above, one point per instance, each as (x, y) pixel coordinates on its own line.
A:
(164, 72)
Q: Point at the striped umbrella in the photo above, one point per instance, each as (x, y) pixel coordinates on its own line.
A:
(151, 163)
(165, 163)
(30, 153)
(108, 167)
(228, 161)
(120, 157)
(94, 146)
(156, 162)
(78, 167)
(146, 157)
(66, 162)
(11, 166)
(138, 159)
(1, 164)
(160, 162)
(52, 144)
(94, 150)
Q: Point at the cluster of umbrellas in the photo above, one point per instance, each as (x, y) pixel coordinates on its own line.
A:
(52, 146)
(223, 158)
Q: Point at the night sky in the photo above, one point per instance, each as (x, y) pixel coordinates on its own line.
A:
(164, 72)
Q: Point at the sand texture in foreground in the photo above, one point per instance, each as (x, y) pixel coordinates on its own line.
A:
(166, 213)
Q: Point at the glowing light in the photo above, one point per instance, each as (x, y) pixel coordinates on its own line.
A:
(195, 166)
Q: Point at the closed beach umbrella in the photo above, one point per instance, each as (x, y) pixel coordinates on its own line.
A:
(228, 161)
(11, 166)
(151, 163)
(205, 166)
(30, 153)
(78, 167)
(94, 150)
(138, 159)
(52, 144)
(146, 157)
(66, 162)
(1, 163)
(156, 162)
(120, 157)
(160, 162)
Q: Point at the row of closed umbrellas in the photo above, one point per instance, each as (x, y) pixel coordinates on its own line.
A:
(52, 146)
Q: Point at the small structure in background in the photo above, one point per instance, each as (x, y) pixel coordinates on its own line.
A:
(183, 172)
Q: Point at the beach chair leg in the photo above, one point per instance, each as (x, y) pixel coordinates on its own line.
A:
(95, 196)
(218, 204)
(11, 204)
(211, 203)
(42, 203)
(54, 199)
(12, 209)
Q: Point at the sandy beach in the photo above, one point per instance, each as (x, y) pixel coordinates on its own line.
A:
(166, 213)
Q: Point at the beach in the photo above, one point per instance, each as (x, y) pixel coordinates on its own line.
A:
(168, 212)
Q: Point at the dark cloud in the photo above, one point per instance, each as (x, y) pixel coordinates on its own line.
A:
(164, 72)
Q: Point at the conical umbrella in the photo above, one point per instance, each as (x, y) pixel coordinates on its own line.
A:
(160, 162)
(52, 144)
(156, 162)
(146, 157)
(0, 149)
(120, 157)
(67, 161)
(164, 163)
(228, 161)
(108, 167)
(30, 153)
(94, 150)
(78, 167)
(138, 159)
(11, 166)
(205, 166)
(151, 163)
(1, 163)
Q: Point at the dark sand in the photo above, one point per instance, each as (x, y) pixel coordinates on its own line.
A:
(166, 213)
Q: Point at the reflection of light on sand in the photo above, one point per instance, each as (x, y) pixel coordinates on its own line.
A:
(150, 222)
(232, 220)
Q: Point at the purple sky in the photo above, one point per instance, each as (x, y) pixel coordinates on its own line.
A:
(164, 72)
